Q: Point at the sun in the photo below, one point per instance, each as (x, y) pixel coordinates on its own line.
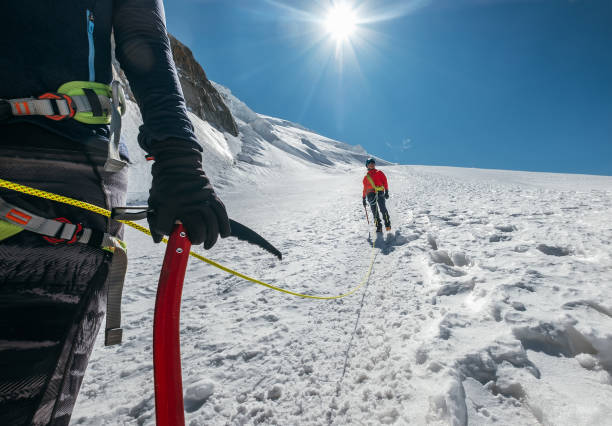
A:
(341, 22)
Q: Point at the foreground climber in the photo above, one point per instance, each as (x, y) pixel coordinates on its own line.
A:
(56, 104)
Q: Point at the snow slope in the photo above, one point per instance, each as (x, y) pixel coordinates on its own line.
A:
(488, 303)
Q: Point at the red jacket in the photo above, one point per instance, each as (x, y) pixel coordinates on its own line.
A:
(379, 179)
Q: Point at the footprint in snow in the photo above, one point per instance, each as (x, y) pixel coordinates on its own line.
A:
(388, 417)
(451, 271)
(554, 339)
(454, 288)
(270, 318)
(454, 259)
(554, 250)
(432, 242)
(506, 228)
(441, 256)
(482, 366)
(495, 238)
(461, 259)
(397, 239)
(589, 304)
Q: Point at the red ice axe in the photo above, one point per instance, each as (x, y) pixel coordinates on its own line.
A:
(166, 337)
(166, 334)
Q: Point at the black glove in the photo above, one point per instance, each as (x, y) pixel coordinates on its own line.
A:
(386, 195)
(181, 191)
(364, 201)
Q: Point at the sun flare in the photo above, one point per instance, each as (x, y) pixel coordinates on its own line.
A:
(341, 22)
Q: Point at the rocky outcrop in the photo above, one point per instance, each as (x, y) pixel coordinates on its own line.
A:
(201, 97)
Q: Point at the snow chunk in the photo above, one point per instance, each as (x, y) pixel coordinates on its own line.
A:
(506, 228)
(197, 394)
(275, 393)
(461, 259)
(449, 405)
(441, 256)
(587, 361)
(554, 250)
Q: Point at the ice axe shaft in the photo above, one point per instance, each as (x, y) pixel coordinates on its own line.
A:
(368, 219)
(166, 338)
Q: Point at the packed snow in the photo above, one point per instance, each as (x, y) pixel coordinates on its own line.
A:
(488, 302)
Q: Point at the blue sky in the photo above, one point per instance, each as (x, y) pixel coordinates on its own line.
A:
(505, 84)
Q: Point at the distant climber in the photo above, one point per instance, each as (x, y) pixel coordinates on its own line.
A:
(376, 190)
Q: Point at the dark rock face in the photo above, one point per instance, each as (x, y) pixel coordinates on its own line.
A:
(201, 97)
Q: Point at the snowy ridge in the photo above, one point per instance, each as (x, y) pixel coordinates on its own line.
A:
(266, 146)
(300, 143)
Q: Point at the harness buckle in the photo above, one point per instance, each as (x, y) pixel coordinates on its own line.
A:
(76, 234)
(57, 97)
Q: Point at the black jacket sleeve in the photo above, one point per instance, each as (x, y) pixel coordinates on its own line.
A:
(143, 50)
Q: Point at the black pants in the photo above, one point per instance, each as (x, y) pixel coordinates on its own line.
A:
(52, 297)
(373, 199)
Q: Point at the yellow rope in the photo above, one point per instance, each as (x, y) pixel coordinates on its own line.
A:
(104, 212)
(54, 197)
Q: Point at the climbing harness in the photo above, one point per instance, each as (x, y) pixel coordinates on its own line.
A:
(377, 189)
(107, 213)
(87, 102)
(16, 219)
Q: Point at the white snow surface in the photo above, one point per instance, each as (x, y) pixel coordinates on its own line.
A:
(488, 302)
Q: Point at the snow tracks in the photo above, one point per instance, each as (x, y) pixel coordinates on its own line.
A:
(488, 304)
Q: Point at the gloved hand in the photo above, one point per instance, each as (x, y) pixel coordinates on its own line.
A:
(181, 191)
(386, 195)
(364, 201)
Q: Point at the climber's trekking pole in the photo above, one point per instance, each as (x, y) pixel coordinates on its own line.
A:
(368, 219)
(166, 338)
